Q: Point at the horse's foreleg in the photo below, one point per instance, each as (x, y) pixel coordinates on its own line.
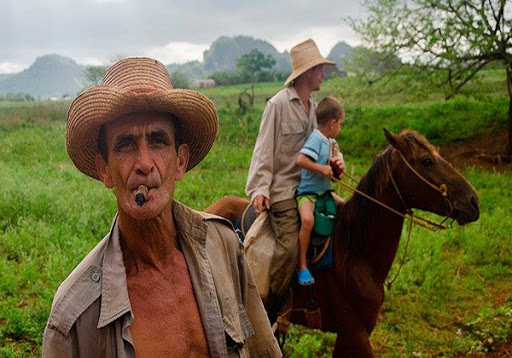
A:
(353, 339)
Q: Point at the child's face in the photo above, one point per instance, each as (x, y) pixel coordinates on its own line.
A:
(335, 126)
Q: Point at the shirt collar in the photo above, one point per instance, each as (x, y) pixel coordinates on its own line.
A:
(115, 301)
(114, 290)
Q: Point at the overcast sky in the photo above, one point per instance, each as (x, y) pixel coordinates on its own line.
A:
(172, 31)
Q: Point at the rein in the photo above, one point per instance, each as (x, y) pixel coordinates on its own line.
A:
(409, 214)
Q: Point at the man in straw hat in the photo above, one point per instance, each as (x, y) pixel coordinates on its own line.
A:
(166, 280)
(288, 120)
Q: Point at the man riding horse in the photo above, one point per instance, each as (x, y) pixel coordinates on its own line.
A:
(288, 120)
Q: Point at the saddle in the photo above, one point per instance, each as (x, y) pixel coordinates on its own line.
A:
(320, 244)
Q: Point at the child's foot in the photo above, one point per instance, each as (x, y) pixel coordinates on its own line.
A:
(304, 277)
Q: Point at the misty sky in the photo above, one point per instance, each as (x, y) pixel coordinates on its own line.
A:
(174, 31)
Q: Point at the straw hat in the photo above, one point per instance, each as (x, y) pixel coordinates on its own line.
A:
(305, 56)
(137, 85)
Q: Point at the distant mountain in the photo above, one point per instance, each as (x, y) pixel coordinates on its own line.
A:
(338, 51)
(48, 76)
(5, 75)
(194, 70)
(57, 76)
(225, 50)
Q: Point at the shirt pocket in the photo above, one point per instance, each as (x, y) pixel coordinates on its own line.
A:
(237, 328)
(293, 136)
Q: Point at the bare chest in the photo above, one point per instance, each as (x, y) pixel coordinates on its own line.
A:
(167, 320)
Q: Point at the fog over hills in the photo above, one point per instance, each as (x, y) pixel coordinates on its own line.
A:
(57, 76)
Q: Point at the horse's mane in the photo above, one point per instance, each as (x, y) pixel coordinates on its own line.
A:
(353, 225)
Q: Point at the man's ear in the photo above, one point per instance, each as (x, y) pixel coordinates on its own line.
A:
(182, 161)
(103, 171)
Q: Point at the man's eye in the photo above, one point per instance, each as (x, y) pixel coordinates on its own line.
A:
(125, 146)
(160, 142)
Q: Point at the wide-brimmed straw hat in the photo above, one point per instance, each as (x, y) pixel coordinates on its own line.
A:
(136, 85)
(303, 57)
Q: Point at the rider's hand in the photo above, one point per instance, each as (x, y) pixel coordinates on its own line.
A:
(326, 170)
(260, 203)
(338, 167)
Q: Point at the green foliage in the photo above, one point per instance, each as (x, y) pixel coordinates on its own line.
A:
(94, 74)
(253, 64)
(225, 78)
(17, 97)
(453, 295)
(458, 38)
(180, 80)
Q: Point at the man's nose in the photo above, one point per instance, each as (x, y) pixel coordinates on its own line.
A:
(144, 163)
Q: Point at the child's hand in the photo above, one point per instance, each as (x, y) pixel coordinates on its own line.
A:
(338, 167)
(327, 171)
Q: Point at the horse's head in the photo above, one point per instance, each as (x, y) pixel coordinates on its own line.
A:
(428, 182)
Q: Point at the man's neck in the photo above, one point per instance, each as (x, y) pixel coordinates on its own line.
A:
(304, 92)
(147, 244)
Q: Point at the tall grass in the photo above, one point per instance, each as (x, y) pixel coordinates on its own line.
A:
(452, 297)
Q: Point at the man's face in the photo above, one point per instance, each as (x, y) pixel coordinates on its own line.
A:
(316, 77)
(141, 150)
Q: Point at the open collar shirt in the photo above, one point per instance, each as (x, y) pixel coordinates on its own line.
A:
(284, 128)
(91, 312)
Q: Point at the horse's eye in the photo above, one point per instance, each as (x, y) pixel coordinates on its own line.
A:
(427, 162)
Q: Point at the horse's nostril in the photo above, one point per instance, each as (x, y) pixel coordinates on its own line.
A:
(474, 203)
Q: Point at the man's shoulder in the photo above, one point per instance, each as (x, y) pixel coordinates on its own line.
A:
(220, 230)
(282, 97)
(78, 291)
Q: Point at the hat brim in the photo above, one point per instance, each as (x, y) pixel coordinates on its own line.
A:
(299, 71)
(99, 105)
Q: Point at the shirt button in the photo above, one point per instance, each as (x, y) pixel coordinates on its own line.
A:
(95, 277)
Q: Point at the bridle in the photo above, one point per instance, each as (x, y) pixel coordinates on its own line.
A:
(409, 214)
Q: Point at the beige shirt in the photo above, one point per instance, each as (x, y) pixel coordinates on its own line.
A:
(284, 128)
(91, 312)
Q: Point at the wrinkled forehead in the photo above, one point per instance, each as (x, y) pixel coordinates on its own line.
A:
(141, 123)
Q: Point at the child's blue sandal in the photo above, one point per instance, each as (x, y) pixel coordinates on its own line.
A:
(304, 277)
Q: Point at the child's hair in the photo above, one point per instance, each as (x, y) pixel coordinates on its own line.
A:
(329, 108)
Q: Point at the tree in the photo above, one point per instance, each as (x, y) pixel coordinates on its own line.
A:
(251, 66)
(456, 37)
(179, 80)
(94, 74)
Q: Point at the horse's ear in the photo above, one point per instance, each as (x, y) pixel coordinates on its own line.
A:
(393, 139)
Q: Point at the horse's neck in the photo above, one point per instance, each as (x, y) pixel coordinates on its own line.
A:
(383, 234)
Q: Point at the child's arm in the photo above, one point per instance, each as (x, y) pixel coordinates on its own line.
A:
(305, 162)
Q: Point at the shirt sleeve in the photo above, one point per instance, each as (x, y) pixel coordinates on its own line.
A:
(262, 343)
(312, 147)
(261, 169)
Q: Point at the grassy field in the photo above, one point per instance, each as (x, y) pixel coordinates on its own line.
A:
(452, 298)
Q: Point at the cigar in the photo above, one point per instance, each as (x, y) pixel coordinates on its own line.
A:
(140, 195)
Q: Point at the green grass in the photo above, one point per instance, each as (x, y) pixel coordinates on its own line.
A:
(453, 296)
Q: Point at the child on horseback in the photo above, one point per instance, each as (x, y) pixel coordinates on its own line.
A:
(320, 160)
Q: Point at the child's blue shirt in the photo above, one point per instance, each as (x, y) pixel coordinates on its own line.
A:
(318, 149)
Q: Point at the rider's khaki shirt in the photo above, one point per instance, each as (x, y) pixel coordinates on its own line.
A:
(284, 128)
(91, 312)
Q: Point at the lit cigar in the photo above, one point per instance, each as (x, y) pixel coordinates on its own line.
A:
(140, 195)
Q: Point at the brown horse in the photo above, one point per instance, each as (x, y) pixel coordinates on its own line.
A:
(367, 236)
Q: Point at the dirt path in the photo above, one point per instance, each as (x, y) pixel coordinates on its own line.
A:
(484, 152)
